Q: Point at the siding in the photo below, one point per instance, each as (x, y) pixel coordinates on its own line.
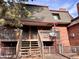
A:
(64, 17)
(74, 41)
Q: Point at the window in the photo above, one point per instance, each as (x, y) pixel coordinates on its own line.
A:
(33, 32)
(48, 43)
(9, 44)
(56, 16)
(25, 34)
(48, 47)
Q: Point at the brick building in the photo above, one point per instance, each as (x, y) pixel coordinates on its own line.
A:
(34, 38)
(73, 33)
(73, 30)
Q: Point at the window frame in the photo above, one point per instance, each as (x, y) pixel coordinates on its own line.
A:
(56, 16)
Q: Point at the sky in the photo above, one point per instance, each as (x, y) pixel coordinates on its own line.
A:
(69, 5)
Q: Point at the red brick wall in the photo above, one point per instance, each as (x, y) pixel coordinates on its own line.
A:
(74, 40)
(63, 36)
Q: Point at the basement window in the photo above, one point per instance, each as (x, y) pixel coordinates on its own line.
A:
(8, 48)
(48, 43)
(9, 44)
(48, 46)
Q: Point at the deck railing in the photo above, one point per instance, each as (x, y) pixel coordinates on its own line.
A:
(7, 51)
(71, 49)
(10, 51)
(49, 49)
(30, 52)
(64, 49)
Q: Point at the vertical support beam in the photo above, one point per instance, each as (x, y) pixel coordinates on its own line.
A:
(55, 38)
(49, 49)
(29, 32)
(30, 48)
(41, 46)
(18, 44)
(0, 48)
(42, 49)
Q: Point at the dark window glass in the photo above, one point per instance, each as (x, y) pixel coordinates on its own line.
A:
(56, 16)
(48, 43)
(25, 34)
(8, 44)
(34, 32)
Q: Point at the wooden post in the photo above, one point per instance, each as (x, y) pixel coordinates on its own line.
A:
(29, 32)
(30, 49)
(55, 38)
(0, 48)
(18, 44)
(41, 46)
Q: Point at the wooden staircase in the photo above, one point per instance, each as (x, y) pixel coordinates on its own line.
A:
(34, 50)
(29, 50)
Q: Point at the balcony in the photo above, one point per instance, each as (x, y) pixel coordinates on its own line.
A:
(9, 34)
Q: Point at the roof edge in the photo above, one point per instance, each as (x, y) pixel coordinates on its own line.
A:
(76, 18)
(58, 11)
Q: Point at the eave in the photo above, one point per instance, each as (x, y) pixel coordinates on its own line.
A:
(39, 23)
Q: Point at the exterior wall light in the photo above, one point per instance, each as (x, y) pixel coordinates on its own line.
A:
(52, 34)
(72, 35)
